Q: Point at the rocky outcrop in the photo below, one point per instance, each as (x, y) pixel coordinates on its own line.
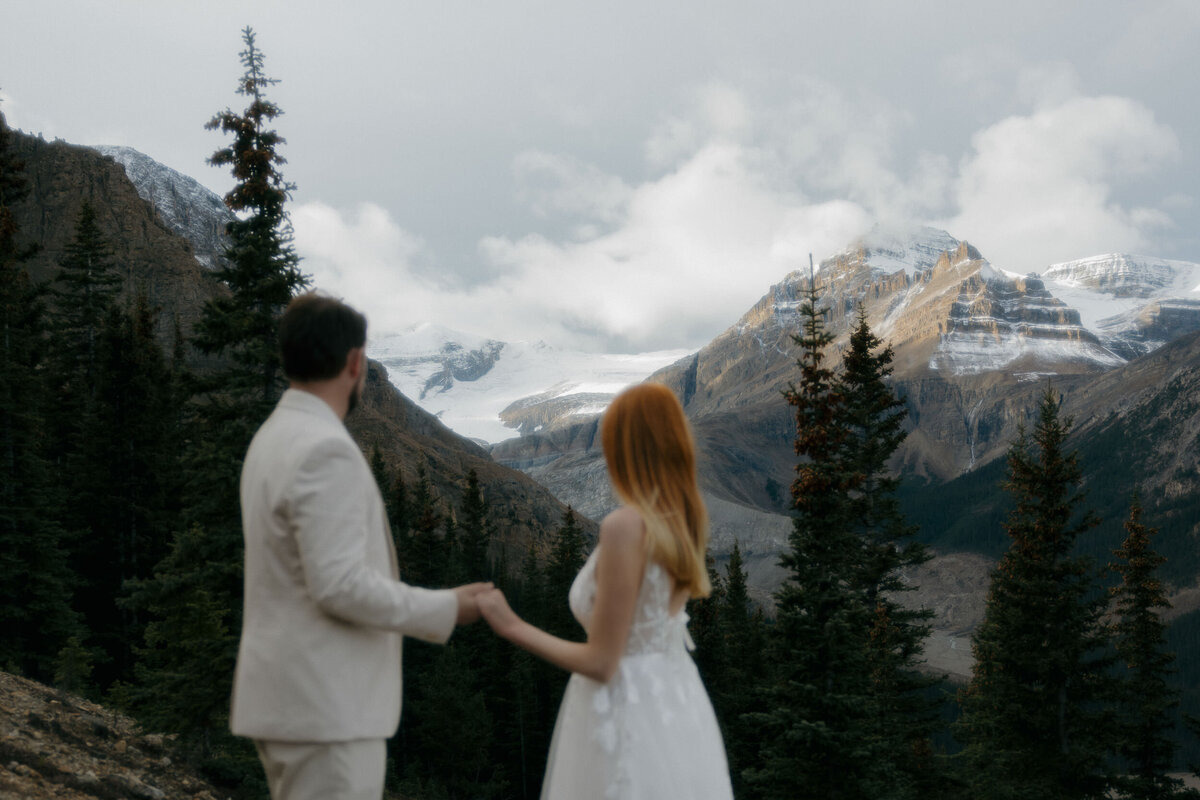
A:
(149, 254)
(57, 745)
(186, 206)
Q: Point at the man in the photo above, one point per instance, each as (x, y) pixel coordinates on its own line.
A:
(318, 672)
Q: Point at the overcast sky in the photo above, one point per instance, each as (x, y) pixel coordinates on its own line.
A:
(634, 175)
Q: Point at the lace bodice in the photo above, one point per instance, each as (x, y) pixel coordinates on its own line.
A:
(654, 629)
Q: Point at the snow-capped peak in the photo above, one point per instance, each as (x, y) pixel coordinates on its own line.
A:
(912, 250)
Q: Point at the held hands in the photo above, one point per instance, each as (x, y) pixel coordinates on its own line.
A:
(468, 601)
(495, 609)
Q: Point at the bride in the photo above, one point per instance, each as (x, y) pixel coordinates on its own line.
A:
(635, 721)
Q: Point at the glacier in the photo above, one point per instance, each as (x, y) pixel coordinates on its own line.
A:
(519, 373)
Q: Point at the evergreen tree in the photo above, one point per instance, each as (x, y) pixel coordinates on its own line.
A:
(1146, 698)
(230, 400)
(262, 268)
(905, 717)
(88, 441)
(567, 556)
(422, 557)
(125, 479)
(1032, 718)
(85, 289)
(736, 694)
(35, 581)
(531, 724)
(397, 504)
(813, 733)
(707, 629)
(475, 534)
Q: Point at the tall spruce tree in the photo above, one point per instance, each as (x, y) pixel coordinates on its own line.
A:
(201, 576)
(126, 481)
(85, 289)
(814, 732)
(1146, 698)
(262, 269)
(743, 639)
(475, 533)
(905, 716)
(35, 581)
(1033, 721)
(706, 626)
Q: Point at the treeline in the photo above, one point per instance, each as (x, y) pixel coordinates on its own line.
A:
(120, 559)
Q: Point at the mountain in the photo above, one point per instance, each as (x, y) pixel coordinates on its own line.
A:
(183, 203)
(490, 390)
(974, 349)
(156, 254)
(1135, 304)
(151, 254)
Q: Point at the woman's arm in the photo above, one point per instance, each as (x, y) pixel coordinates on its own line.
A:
(620, 563)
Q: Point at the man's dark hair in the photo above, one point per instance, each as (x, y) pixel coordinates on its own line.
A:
(316, 334)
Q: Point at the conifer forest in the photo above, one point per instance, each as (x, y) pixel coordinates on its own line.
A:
(121, 556)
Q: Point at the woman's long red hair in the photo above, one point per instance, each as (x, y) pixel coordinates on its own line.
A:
(651, 459)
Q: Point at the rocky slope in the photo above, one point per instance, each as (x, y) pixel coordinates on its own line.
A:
(182, 202)
(57, 745)
(150, 254)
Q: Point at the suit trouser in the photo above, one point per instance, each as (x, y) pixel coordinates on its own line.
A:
(324, 770)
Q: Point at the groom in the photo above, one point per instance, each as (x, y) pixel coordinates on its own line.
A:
(317, 685)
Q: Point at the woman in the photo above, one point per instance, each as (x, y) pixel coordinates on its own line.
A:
(635, 721)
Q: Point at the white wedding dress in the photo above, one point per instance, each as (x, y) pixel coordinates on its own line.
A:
(650, 732)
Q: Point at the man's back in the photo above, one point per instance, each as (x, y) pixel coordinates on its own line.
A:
(320, 652)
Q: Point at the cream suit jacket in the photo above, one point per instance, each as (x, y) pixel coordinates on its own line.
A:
(319, 659)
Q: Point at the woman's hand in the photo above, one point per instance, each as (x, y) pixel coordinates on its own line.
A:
(495, 609)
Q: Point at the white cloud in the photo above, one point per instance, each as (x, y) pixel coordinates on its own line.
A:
(688, 253)
(697, 247)
(1040, 188)
(740, 190)
(557, 185)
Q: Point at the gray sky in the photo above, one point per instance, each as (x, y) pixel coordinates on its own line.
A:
(634, 175)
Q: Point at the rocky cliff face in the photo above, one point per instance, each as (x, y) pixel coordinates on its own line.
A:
(149, 253)
(186, 206)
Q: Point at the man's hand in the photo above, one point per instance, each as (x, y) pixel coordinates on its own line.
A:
(495, 609)
(468, 601)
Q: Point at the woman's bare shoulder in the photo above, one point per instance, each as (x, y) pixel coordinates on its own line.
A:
(623, 528)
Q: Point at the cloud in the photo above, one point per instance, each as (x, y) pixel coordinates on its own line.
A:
(687, 254)
(555, 185)
(739, 187)
(1040, 188)
(695, 249)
